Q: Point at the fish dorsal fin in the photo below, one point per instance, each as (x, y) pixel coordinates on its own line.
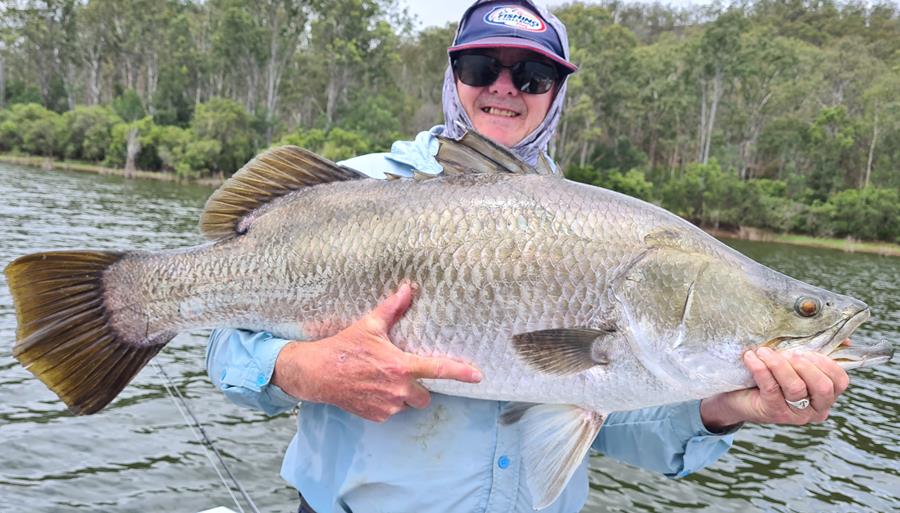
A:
(474, 153)
(271, 174)
(555, 439)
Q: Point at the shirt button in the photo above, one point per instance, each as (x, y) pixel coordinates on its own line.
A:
(261, 380)
(503, 462)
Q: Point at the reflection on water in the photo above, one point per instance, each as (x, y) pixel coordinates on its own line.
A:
(139, 456)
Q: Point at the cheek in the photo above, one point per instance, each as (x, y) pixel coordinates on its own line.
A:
(467, 96)
(538, 106)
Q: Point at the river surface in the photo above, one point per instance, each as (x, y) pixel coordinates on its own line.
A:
(139, 455)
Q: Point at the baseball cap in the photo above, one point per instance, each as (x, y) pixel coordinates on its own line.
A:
(509, 24)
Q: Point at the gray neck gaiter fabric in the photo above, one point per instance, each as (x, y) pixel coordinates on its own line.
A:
(457, 122)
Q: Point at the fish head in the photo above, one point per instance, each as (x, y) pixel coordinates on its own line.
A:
(692, 315)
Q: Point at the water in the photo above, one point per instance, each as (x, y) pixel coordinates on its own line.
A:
(139, 456)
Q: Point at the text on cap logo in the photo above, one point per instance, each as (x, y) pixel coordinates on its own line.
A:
(515, 17)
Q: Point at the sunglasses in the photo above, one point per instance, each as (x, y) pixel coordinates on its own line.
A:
(532, 77)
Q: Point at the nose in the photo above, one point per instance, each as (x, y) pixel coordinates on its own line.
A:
(504, 84)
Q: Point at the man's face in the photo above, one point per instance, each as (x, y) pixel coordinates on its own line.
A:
(500, 111)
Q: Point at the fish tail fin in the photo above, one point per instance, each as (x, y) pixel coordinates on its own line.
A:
(64, 334)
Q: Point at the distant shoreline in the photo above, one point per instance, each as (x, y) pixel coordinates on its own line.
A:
(48, 163)
(743, 233)
(847, 245)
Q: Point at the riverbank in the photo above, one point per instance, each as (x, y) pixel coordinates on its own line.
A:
(86, 167)
(848, 245)
(743, 233)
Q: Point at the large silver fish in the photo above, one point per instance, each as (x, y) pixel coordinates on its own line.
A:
(573, 299)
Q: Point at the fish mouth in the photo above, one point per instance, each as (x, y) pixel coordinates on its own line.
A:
(828, 342)
(854, 357)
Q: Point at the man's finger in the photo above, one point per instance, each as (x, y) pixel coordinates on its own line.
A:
(418, 396)
(392, 308)
(838, 376)
(443, 368)
(792, 385)
(819, 385)
(765, 381)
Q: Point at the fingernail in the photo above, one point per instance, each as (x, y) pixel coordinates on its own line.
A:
(477, 376)
(764, 351)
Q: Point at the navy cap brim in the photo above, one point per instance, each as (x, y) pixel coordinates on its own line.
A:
(514, 42)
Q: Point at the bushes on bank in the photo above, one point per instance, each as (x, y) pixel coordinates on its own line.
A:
(711, 196)
(335, 144)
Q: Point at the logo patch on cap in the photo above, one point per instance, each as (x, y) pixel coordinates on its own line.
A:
(515, 17)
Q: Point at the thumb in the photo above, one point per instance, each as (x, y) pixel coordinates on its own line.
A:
(391, 309)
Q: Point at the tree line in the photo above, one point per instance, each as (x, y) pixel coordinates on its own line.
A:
(781, 114)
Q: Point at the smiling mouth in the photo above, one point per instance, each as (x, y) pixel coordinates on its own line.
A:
(497, 111)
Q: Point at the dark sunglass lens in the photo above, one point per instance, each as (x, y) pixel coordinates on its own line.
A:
(476, 70)
(534, 77)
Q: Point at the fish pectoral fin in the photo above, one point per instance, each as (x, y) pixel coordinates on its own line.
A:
(555, 438)
(564, 351)
(270, 175)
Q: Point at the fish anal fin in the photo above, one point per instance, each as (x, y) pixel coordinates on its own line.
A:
(564, 351)
(556, 438)
(270, 175)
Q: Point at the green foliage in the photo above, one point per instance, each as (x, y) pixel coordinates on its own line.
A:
(116, 152)
(88, 131)
(633, 183)
(335, 144)
(30, 128)
(226, 122)
(706, 194)
(128, 106)
(870, 213)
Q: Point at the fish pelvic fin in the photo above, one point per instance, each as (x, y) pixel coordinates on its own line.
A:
(270, 175)
(564, 351)
(474, 153)
(556, 438)
(64, 335)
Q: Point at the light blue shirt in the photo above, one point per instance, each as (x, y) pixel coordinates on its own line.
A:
(454, 455)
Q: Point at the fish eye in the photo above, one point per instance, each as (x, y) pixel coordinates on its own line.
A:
(807, 306)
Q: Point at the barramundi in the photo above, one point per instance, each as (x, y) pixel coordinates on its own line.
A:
(573, 301)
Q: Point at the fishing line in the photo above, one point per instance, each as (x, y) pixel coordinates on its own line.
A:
(200, 434)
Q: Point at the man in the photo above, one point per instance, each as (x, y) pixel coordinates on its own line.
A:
(370, 438)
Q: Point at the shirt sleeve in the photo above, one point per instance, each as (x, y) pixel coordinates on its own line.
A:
(240, 364)
(671, 440)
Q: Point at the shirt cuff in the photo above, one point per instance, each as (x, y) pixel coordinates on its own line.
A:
(703, 447)
(241, 363)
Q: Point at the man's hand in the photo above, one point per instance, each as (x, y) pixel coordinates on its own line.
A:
(361, 371)
(779, 378)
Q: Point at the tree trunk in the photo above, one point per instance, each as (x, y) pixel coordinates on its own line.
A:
(2, 83)
(711, 122)
(152, 82)
(701, 130)
(872, 148)
(132, 149)
(331, 96)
